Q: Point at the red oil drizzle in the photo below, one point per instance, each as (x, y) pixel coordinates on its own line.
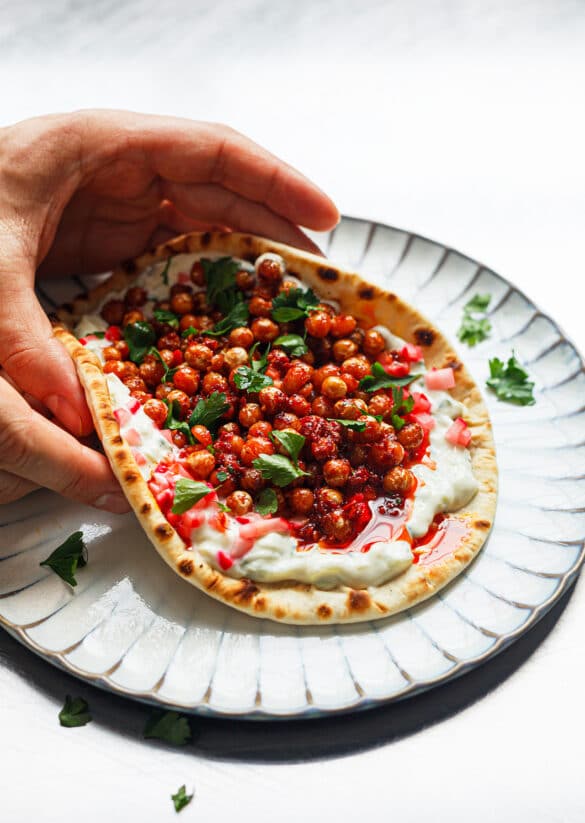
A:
(385, 524)
(442, 539)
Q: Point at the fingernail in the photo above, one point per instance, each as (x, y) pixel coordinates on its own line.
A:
(64, 411)
(115, 503)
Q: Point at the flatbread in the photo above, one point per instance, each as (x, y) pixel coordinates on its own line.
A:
(292, 602)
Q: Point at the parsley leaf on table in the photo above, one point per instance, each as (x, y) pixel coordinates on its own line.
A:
(277, 468)
(74, 713)
(67, 558)
(181, 798)
(187, 493)
(511, 382)
(267, 502)
(171, 727)
(293, 304)
(380, 379)
(208, 412)
(475, 325)
(140, 338)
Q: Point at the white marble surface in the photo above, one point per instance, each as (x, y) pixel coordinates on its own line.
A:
(460, 120)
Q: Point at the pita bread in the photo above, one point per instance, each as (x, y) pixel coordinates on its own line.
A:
(292, 602)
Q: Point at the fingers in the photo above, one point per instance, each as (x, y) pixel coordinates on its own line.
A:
(38, 452)
(36, 361)
(13, 488)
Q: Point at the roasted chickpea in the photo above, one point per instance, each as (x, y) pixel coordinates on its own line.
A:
(322, 406)
(380, 404)
(318, 324)
(323, 448)
(386, 453)
(334, 388)
(197, 273)
(135, 297)
(239, 502)
(260, 307)
(133, 383)
(133, 316)
(265, 330)
(213, 382)
(236, 356)
(182, 303)
(342, 325)
(272, 399)
(178, 439)
(202, 435)
(337, 525)
(286, 420)
(270, 268)
(163, 390)
(411, 435)
(300, 500)
(399, 480)
(123, 348)
(336, 472)
(358, 367)
(252, 480)
(111, 353)
(250, 414)
(130, 369)
(344, 349)
(156, 410)
(253, 448)
(224, 487)
(359, 455)
(218, 363)
(180, 288)
(348, 409)
(233, 443)
(200, 463)
(170, 341)
(113, 312)
(373, 343)
(183, 401)
(245, 280)
(187, 321)
(328, 498)
(204, 322)
(297, 376)
(186, 379)
(260, 429)
(152, 371)
(298, 405)
(141, 396)
(319, 375)
(241, 337)
(372, 430)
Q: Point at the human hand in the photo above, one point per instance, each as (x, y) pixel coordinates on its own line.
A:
(78, 193)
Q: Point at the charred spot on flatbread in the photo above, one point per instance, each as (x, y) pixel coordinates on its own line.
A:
(246, 591)
(131, 476)
(424, 337)
(482, 524)
(358, 600)
(260, 604)
(186, 566)
(367, 293)
(164, 531)
(328, 274)
(145, 508)
(324, 611)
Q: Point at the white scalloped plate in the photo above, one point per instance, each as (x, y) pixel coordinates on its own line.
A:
(133, 627)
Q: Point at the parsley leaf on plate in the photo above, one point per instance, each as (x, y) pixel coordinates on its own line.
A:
(187, 493)
(171, 727)
(267, 502)
(293, 344)
(140, 338)
(220, 276)
(293, 304)
(237, 316)
(181, 798)
(379, 379)
(67, 558)
(209, 411)
(511, 382)
(168, 317)
(475, 325)
(277, 468)
(291, 441)
(74, 713)
(174, 423)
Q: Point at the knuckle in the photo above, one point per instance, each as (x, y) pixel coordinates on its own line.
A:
(12, 488)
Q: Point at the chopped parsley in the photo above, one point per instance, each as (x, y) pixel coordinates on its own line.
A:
(99, 334)
(167, 317)
(293, 344)
(187, 493)
(67, 558)
(401, 406)
(165, 272)
(475, 325)
(174, 423)
(293, 304)
(291, 441)
(277, 468)
(208, 412)
(380, 379)
(511, 382)
(220, 276)
(140, 338)
(171, 727)
(168, 373)
(188, 332)
(267, 502)
(237, 316)
(355, 425)
(74, 713)
(181, 798)
(247, 378)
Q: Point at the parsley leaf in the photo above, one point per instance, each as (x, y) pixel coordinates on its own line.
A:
(277, 468)
(220, 276)
(293, 304)
(236, 317)
(165, 272)
(181, 798)
(248, 378)
(187, 493)
(352, 425)
(379, 379)
(174, 423)
(67, 558)
(140, 338)
(168, 373)
(74, 713)
(401, 406)
(267, 502)
(99, 334)
(208, 412)
(510, 382)
(262, 362)
(187, 332)
(291, 441)
(171, 727)
(221, 476)
(293, 344)
(474, 329)
(167, 317)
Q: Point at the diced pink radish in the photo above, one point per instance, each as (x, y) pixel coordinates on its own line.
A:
(133, 405)
(421, 402)
(123, 416)
(139, 457)
(458, 433)
(165, 498)
(132, 437)
(224, 560)
(438, 379)
(412, 353)
(183, 277)
(259, 527)
(426, 420)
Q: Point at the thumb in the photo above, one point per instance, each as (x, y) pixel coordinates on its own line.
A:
(36, 361)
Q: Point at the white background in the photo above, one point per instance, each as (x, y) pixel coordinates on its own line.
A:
(463, 121)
